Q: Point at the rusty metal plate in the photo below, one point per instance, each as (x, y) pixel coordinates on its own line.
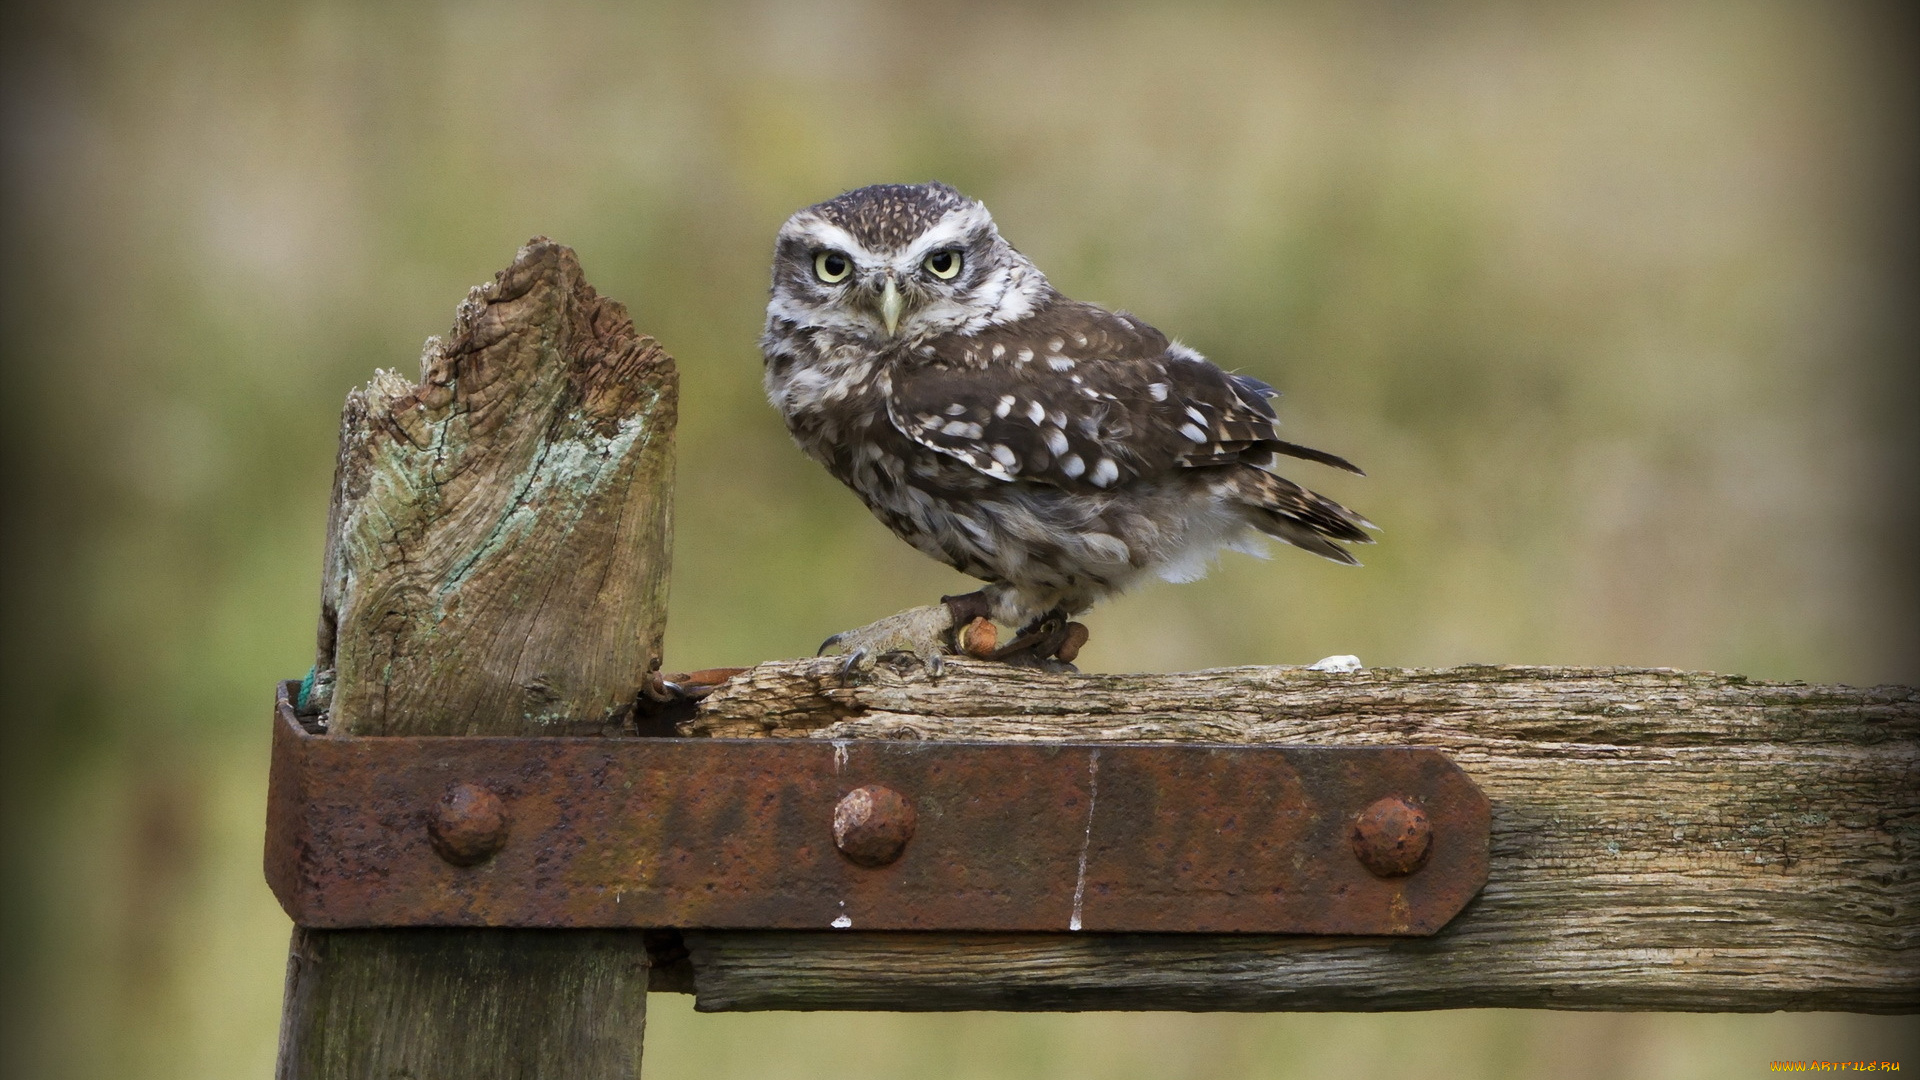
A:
(873, 834)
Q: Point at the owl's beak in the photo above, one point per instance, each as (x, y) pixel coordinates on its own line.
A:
(891, 305)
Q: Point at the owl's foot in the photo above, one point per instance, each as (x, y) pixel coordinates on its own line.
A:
(958, 624)
(924, 633)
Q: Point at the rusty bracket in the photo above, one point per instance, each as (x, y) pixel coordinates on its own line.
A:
(874, 834)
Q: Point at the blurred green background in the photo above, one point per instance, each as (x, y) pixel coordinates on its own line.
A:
(1611, 300)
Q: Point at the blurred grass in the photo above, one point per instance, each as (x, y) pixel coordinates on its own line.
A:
(1610, 301)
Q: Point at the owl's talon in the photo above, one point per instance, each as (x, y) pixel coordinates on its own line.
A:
(857, 662)
(922, 634)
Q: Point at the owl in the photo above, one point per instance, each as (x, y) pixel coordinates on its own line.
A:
(1053, 449)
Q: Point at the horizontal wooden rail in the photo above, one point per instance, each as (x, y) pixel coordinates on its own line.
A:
(1661, 840)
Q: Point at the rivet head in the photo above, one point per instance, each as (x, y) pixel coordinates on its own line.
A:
(468, 825)
(1392, 838)
(872, 824)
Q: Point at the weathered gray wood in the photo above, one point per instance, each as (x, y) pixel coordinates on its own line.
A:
(464, 1004)
(497, 547)
(496, 565)
(1661, 840)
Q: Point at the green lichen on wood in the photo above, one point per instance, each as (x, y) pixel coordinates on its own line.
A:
(497, 558)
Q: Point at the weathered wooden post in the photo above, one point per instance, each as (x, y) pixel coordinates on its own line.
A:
(496, 564)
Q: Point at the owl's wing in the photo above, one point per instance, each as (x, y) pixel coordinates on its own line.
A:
(1083, 399)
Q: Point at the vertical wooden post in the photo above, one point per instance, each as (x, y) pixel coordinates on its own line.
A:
(496, 564)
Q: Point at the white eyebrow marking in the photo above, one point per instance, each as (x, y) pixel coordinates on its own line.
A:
(828, 235)
(954, 226)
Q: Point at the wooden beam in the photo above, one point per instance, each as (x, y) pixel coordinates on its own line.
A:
(1661, 840)
(496, 564)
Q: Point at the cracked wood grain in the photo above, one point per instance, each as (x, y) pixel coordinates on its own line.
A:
(496, 564)
(497, 552)
(1661, 840)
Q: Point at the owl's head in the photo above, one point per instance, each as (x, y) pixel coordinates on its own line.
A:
(900, 262)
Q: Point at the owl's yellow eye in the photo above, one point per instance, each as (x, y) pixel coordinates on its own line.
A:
(832, 267)
(944, 265)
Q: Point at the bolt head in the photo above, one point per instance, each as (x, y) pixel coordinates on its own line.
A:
(468, 825)
(872, 824)
(1392, 838)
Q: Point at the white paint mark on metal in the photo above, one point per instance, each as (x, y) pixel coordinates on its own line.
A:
(1086, 842)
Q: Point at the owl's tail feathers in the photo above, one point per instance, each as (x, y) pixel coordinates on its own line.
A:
(1286, 511)
(1308, 453)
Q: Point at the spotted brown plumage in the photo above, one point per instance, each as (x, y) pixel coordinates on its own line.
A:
(1054, 449)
